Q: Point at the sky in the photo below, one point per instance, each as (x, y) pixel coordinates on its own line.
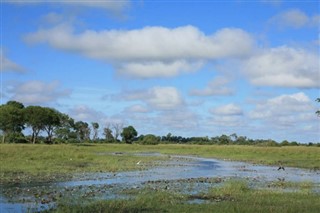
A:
(186, 67)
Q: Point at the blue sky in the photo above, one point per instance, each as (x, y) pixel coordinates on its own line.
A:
(191, 68)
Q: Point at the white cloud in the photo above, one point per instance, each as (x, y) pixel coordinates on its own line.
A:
(157, 68)
(283, 66)
(222, 121)
(158, 98)
(85, 113)
(218, 86)
(285, 111)
(8, 65)
(137, 108)
(88, 114)
(37, 92)
(227, 110)
(150, 51)
(147, 44)
(178, 120)
(165, 98)
(315, 21)
(229, 115)
(295, 18)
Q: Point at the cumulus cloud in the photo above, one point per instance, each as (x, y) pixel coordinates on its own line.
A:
(37, 92)
(150, 51)
(285, 110)
(218, 86)
(181, 119)
(295, 18)
(137, 108)
(149, 43)
(85, 113)
(160, 98)
(227, 110)
(222, 121)
(283, 66)
(229, 115)
(9, 66)
(158, 68)
(165, 98)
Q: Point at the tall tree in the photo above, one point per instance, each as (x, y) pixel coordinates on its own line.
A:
(83, 130)
(128, 134)
(51, 122)
(35, 117)
(11, 118)
(107, 132)
(95, 127)
(66, 130)
(117, 127)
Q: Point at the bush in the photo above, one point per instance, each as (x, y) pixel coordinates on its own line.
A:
(149, 140)
(15, 137)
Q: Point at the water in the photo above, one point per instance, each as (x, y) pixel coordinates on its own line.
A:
(185, 174)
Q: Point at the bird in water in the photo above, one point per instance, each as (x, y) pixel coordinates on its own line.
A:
(139, 162)
(280, 166)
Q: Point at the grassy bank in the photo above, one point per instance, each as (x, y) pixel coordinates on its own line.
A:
(294, 156)
(28, 162)
(233, 196)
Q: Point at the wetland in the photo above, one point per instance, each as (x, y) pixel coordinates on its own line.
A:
(151, 172)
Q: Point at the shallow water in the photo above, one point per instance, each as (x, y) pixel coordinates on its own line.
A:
(186, 174)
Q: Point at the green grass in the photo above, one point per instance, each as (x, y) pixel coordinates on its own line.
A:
(23, 163)
(295, 156)
(34, 162)
(233, 196)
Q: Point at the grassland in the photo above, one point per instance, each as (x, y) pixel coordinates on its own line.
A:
(28, 162)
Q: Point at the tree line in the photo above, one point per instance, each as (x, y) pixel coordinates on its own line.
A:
(48, 125)
(56, 126)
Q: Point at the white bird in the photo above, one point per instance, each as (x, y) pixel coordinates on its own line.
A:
(139, 162)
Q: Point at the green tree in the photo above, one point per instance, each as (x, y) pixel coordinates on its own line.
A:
(82, 130)
(15, 104)
(35, 117)
(95, 127)
(66, 130)
(128, 134)
(11, 119)
(224, 139)
(118, 128)
(107, 132)
(242, 140)
(233, 137)
(52, 120)
(149, 139)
